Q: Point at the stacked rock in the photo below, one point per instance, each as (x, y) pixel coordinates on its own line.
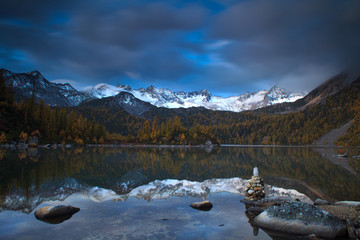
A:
(255, 189)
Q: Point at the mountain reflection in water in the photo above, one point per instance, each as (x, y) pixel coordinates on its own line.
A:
(41, 172)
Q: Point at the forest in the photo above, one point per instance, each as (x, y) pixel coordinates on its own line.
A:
(86, 124)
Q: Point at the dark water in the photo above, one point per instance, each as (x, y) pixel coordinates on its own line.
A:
(36, 178)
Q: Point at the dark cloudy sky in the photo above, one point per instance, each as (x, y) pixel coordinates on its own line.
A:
(225, 46)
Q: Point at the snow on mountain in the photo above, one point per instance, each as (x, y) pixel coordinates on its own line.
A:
(57, 94)
(169, 99)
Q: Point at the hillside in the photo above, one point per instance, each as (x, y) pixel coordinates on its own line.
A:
(316, 96)
(24, 85)
(327, 107)
(123, 118)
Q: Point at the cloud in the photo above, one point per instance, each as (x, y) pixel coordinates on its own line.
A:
(99, 42)
(137, 27)
(274, 39)
(222, 45)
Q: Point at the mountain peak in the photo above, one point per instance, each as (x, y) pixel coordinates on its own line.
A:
(164, 97)
(150, 89)
(56, 94)
(35, 73)
(278, 90)
(205, 91)
(127, 88)
(206, 94)
(275, 87)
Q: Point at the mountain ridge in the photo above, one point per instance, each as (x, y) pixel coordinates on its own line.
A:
(58, 94)
(328, 88)
(131, 120)
(25, 85)
(179, 99)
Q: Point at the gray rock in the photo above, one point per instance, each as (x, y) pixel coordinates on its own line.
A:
(204, 205)
(58, 211)
(297, 218)
(255, 210)
(256, 172)
(321, 202)
(350, 229)
(250, 191)
(348, 203)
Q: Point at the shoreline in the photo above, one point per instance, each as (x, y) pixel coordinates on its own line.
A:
(23, 146)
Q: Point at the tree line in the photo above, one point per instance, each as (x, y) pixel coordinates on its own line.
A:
(20, 120)
(88, 124)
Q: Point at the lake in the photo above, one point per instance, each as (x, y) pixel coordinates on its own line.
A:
(100, 181)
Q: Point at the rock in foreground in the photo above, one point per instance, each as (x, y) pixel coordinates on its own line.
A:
(58, 211)
(297, 218)
(204, 205)
(255, 189)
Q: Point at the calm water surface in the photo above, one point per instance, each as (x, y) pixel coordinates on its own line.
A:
(37, 178)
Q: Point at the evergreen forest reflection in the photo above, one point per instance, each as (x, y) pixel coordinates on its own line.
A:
(304, 169)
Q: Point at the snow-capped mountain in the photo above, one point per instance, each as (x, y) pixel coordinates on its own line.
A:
(57, 94)
(169, 99)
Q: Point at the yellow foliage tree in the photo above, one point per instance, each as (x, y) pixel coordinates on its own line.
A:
(23, 136)
(3, 138)
(182, 138)
(79, 141)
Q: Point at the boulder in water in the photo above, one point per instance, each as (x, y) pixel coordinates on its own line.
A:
(52, 212)
(204, 205)
(297, 218)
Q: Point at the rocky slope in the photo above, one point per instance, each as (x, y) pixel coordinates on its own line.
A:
(123, 100)
(26, 84)
(56, 94)
(169, 99)
(331, 87)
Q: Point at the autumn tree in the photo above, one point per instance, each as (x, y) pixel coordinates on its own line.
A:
(3, 138)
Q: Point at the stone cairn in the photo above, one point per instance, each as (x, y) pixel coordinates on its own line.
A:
(255, 189)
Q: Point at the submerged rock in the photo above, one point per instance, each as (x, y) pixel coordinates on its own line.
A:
(52, 212)
(297, 218)
(204, 205)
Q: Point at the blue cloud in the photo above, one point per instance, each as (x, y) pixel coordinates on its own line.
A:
(222, 45)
